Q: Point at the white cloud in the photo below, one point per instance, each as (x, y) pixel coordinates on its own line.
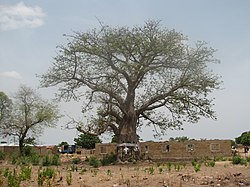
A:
(20, 16)
(11, 74)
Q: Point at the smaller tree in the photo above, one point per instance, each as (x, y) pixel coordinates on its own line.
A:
(63, 144)
(179, 139)
(29, 116)
(5, 107)
(243, 139)
(87, 141)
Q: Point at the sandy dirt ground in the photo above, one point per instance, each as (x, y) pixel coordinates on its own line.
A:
(140, 175)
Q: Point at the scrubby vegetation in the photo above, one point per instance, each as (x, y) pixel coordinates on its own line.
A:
(68, 170)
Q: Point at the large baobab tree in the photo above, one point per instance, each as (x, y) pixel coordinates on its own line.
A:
(128, 77)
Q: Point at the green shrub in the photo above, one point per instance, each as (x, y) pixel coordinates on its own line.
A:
(55, 160)
(243, 162)
(6, 172)
(34, 159)
(14, 159)
(25, 173)
(108, 159)
(76, 160)
(48, 172)
(46, 161)
(197, 167)
(23, 160)
(28, 151)
(236, 160)
(194, 162)
(13, 179)
(45, 176)
(248, 159)
(210, 163)
(93, 162)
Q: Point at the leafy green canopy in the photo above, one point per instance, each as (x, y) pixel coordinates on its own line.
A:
(87, 141)
(243, 139)
(29, 116)
(146, 71)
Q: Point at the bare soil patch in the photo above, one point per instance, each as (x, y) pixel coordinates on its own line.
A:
(138, 175)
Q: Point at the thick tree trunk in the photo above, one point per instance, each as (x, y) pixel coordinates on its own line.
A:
(127, 130)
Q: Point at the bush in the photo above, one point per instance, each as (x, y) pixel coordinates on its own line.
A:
(14, 159)
(197, 167)
(46, 161)
(212, 163)
(55, 160)
(23, 160)
(76, 160)
(45, 176)
(34, 160)
(108, 159)
(238, 160)
(248, 159)
(28, 151)
(13, 179)
(25, 173)
(93, 162)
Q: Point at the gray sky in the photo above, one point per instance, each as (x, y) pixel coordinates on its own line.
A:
(31, 30)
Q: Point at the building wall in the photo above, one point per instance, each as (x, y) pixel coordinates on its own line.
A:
(103, 149)
(171, 150)
(9, 149)
(185, 150)
(41, 150)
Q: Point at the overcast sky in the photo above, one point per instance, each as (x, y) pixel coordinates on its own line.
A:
(30, 31)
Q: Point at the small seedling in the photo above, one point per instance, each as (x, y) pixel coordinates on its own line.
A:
(160, 170)
(109, 172)
(69, 179)
(83, 171)
(169, 165)
(151, 170)
(197, 167)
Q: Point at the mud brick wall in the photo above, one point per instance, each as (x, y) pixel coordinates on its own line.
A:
(43, 150)
(85, 152)
(103, 149)
(170, 150)
(9, 149)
